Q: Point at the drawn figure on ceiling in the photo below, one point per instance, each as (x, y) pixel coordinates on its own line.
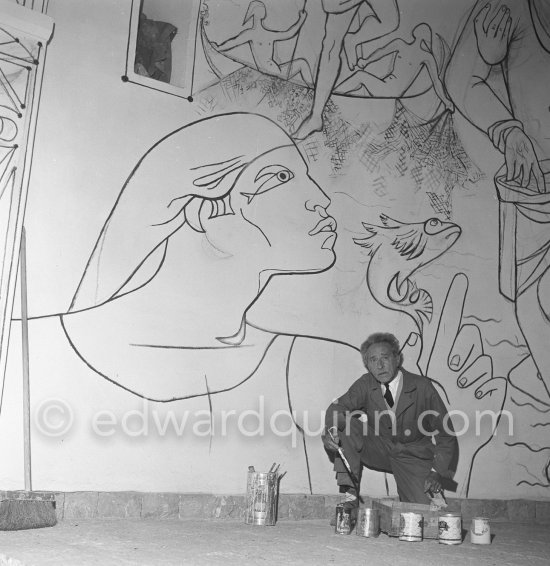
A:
(371, 19)
(495, 78)
(408, 60)
(262, 41)
(178, 262)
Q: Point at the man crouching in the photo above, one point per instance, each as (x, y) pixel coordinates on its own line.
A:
(390, 420)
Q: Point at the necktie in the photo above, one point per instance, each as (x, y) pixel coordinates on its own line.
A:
(388, 396)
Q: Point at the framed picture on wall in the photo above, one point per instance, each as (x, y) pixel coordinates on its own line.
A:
(162, 45)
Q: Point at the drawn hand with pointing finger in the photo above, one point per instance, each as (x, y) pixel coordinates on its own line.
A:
(463, 374)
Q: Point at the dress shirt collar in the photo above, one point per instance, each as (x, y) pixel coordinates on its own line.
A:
(394, 384)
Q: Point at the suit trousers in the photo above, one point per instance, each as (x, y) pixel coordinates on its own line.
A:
(362, 447)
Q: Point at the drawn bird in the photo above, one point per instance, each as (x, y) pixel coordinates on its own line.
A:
(397, 250)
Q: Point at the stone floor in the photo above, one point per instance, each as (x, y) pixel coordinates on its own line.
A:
(106, 542)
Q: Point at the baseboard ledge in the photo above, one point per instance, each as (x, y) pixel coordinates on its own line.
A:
(145, 505)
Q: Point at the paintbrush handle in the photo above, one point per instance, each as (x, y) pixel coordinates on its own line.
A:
(348, 468)
(344, 459)
(346, 463)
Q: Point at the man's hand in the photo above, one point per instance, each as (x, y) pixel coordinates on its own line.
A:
(432, 483)
(331, 440)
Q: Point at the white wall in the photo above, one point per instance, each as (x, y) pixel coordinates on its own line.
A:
(93, 128)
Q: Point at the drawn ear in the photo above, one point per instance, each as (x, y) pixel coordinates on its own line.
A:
(193, 212)
(216, 180)
(200, 211)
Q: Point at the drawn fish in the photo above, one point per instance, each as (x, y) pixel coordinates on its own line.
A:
(397, 250)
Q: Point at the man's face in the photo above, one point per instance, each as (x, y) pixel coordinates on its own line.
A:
(381, 362)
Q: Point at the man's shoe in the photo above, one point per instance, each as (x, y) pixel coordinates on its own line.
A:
(351, 502)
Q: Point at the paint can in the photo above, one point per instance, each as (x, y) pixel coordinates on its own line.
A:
(480, 531)
(368, 522)
(261, 498)
(450, 528)
(343, 524)
(411, 527)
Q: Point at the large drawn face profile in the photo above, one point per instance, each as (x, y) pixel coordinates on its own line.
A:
(236, 179)
(228, 202)
(280, 216)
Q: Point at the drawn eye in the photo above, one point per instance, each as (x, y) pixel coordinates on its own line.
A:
(284, 176)
(268, 178)
(432, 226)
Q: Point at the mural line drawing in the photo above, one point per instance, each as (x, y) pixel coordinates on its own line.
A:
(371, 19)
(500, 35)
(507, 100)
(216, 213)
(428, 151)
(463, 373)
(221, 209)
(262, 44)
(397, 250)
(304, 200)
(408, 60)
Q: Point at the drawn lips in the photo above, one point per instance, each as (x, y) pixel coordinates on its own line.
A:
(327, 224)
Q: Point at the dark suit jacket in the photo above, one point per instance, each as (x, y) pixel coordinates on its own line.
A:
(419, 415)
